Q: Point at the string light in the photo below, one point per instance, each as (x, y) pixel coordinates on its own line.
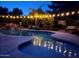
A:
(7, 16)
(67, 13)
(40, 16)
(43, 16)
(53, 15)
(3, 16)
(28, 17)
(17, 16)
(58, 14)
(73, 13)
(78, 12)
(11, 16)
(62, 14)
(49, 15)
(31, 16)
(36, 16)
(20, 16)
(24, 16)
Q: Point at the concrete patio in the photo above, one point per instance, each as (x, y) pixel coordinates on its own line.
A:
(9, 44)
(67, 37)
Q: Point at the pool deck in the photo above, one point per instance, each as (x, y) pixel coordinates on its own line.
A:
(9, 44)
(67, 37)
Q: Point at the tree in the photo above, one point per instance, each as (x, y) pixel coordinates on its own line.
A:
(9, 13)
(63, 6)
(16, 11)
(3, 10)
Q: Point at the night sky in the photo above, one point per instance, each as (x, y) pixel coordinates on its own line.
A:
(25, 5)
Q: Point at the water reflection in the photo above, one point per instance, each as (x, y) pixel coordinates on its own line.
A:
(57, 46)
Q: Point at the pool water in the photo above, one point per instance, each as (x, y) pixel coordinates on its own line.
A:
(49, 49)
(24, 32)
(43, 45)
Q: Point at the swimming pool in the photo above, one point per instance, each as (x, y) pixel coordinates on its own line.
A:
(44, 45)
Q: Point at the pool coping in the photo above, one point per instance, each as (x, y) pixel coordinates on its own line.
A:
(57, 34)
(9, 47)
(62, 36)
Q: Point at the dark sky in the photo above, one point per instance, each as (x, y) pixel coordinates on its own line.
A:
(25, 5)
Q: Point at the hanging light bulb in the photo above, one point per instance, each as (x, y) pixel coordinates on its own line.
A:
(53, 15)
(7, 16)
(58, 14)
(46, 16)
(20, 16)
(17, 16)
(40, 16)
(62, 14)
(11, 16)
(50, 16)
(28, 17)
(67, 13)
(31, 16)
(73, 13)
(24, 16)
(3, 16)
(78, 12)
